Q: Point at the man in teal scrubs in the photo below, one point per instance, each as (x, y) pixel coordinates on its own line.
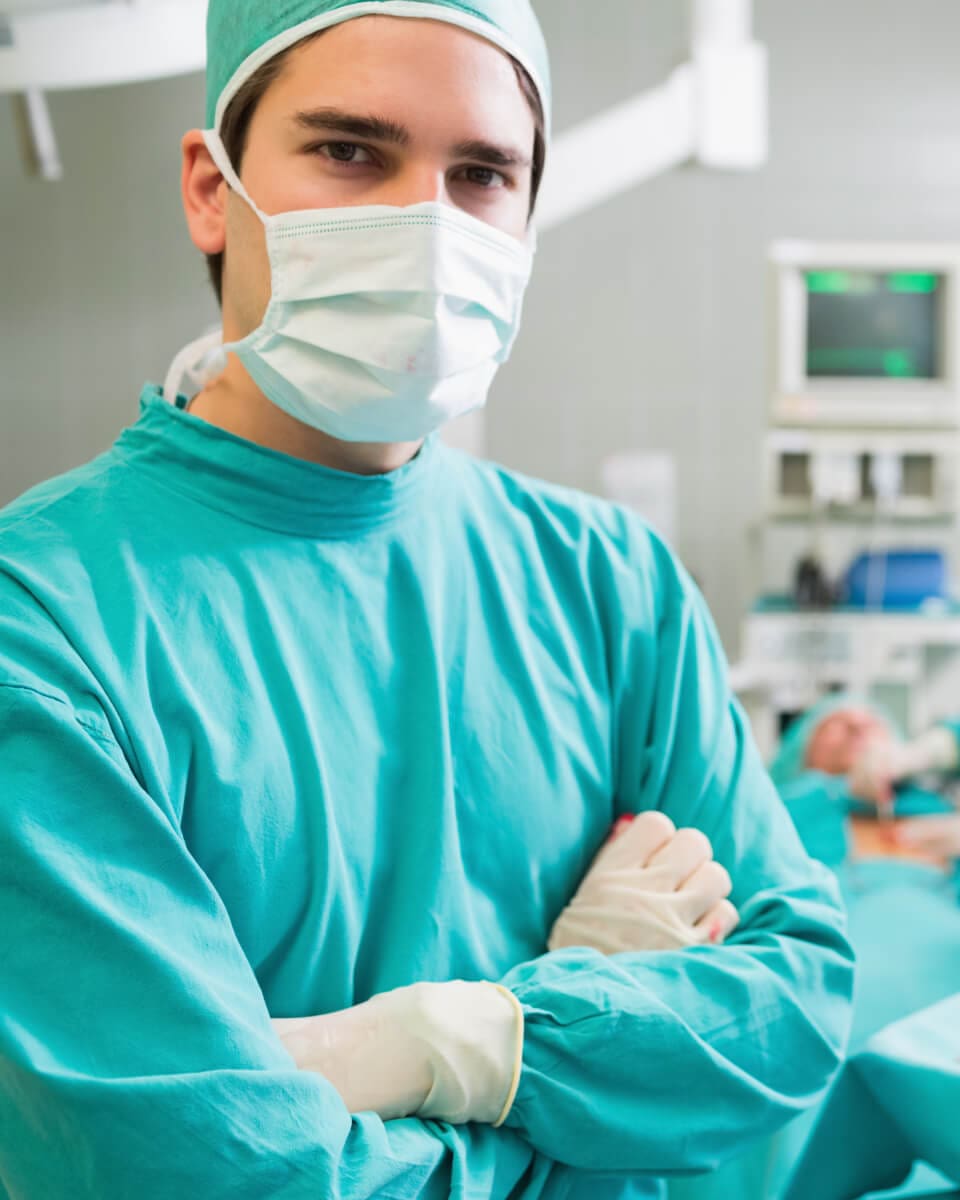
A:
(311, 728)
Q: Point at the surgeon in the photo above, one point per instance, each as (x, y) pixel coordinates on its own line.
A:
(313, 732)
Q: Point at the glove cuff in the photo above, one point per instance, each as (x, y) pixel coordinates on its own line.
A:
(518, 1055)
(473, 1038)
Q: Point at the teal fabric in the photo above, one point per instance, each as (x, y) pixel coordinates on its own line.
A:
(820, 805)
(236, 29)
(908, 801)
(783, 603)
(905, 926)
(904, 916)
(913, 1069)
(905, 929)
(896, 1102)
(274, 739)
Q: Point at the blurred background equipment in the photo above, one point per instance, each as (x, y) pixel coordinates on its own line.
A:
(867, 335)
(854, 548)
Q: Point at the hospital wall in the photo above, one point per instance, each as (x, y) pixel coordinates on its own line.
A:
(648, 322)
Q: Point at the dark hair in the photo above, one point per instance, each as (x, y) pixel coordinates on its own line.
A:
(235, 130)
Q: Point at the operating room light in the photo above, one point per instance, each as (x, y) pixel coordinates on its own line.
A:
(50, 46)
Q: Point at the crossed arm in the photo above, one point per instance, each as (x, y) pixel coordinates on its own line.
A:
(137, 1054)
(453, 1051)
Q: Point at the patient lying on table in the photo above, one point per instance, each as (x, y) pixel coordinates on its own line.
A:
(870, 805)
(861, 799)
(889, 789)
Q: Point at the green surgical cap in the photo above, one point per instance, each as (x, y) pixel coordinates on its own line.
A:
(790, 761)
(243, 35)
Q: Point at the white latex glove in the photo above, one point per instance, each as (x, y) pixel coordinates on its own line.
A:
(884, 764)
(937, 836)
(651, 888)
(449, 1051)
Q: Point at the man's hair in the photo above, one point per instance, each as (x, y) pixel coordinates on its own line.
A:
(235, 130)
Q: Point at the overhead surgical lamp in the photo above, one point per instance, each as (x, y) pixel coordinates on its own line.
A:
(57, 45)
(713, 110)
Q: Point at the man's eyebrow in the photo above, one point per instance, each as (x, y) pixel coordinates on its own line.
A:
(335, 120)
(380, 129)
(491, 155)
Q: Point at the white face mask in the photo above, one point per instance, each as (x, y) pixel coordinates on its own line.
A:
(384, 323)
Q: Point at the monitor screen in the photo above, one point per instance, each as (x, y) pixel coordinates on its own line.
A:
(875, 324)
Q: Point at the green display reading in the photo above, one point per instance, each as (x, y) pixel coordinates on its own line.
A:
(863, 360)
(875, 324)
(913, 283)
(901, 364)
(841, 283)
(866, 283)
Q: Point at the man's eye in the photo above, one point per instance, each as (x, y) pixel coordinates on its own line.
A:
(346, 152)
(485, 177)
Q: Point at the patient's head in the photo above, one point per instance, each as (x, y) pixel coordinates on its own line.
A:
(830, 737)
(841, 738)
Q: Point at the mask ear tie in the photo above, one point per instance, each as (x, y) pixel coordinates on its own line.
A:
(218, 153)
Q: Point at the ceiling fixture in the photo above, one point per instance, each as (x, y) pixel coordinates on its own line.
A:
(713, 110)
(59, 45)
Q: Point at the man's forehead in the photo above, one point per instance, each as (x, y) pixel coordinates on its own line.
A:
(330, 86)
(394, 44)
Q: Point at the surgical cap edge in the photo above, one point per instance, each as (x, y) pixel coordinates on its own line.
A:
(415, 9)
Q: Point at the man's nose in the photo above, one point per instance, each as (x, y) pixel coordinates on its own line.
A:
(421, 184)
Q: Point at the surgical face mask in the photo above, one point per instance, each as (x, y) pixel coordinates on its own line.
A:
(384, 323)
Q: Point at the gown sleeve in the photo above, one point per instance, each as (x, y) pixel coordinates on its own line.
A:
(672, 1062)
(137, 1056)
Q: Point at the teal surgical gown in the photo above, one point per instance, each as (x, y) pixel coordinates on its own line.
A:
(274, 739)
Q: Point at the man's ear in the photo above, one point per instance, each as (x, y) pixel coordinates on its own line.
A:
(204, 196)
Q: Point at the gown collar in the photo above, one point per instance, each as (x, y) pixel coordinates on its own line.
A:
(266, 488)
